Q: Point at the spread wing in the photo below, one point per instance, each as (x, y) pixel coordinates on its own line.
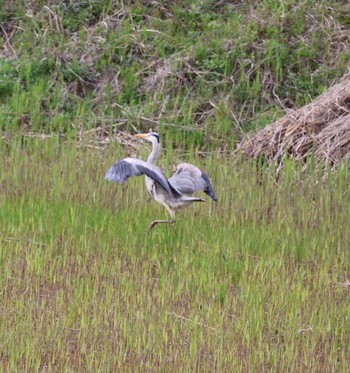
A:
(127, 167)
(189, 179)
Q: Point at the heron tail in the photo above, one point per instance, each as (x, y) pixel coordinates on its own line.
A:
(193, 199)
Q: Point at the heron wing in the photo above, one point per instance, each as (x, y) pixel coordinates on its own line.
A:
(127, 167)
(189, 179)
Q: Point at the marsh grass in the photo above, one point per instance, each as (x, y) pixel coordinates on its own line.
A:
(256, 282)
(205, 71)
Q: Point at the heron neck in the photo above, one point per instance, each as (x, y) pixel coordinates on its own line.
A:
(155, 153)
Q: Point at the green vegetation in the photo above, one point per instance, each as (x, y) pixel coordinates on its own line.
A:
(214, 68)
(257, 282)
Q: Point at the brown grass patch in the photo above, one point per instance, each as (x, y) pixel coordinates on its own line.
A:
(321, 127)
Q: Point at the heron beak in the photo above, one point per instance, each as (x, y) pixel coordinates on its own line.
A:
(141, 135)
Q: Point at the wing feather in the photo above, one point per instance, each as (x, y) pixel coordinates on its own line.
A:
(127, 167)
(189, 179)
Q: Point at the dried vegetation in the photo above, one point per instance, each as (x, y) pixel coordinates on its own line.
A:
(206, 72)
(320, 129)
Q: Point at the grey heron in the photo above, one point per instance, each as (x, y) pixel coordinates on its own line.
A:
(172, 193)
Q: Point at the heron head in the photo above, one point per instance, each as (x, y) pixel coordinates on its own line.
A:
(151, 136)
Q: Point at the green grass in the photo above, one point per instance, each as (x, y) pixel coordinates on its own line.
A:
(216, 68)
(256, 282)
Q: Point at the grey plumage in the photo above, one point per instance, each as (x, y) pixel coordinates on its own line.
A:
(127, 167)
(171, 193)
(189, 179)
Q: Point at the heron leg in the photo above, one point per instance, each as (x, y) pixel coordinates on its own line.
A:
(155, 222)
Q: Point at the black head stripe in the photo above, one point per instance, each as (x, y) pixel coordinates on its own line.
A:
(155, 135)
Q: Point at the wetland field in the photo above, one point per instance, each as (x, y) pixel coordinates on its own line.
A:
(255, 282)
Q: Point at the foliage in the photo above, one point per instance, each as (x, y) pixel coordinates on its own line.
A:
(217, 68)
(257, 282)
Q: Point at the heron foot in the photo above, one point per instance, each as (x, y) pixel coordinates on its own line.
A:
(156, 222)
